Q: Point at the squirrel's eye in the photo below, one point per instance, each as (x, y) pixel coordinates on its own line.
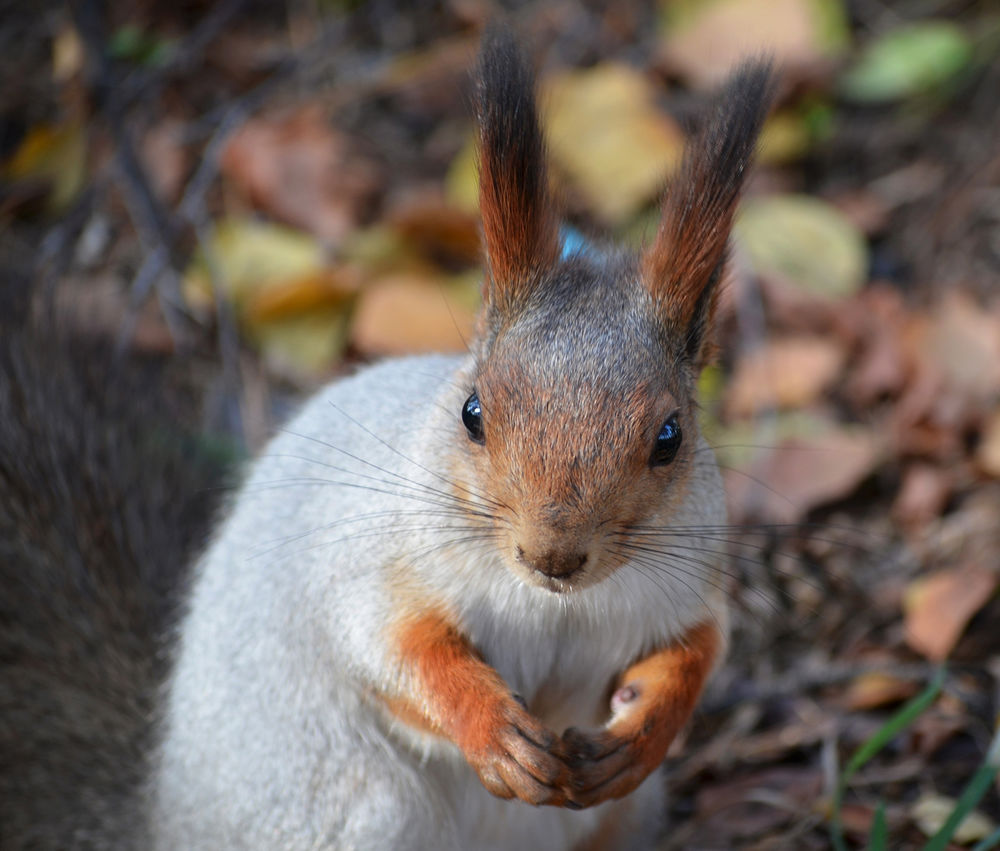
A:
(668, 441)
(472, 417)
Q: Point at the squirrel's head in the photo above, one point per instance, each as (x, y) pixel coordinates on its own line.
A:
(580, 419)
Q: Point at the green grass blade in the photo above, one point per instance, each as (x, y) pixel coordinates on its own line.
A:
(988, 843)
(909, 713)
(878, 839)
(972, 794)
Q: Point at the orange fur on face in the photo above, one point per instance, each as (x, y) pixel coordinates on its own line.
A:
(666, 685)
(455, 694)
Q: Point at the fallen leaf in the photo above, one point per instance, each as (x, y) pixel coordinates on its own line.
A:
(406, 313)
(938, 607)
(248, 257)
(302, 347)
(462, 181)
(54, 156)
(438, 229)
(803, 242)
(931, 811)
(874, 690)
(988, 451)
(962, 340)
(908, 60)
(818, 463)
(922, 496)
(877, 327)
(783, 373)
(67, 54)
(300, 169)
(703, 41)
(292, 303)
(308, 293)
(609, 138)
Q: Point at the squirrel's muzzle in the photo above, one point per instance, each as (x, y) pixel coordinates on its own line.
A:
(554, 563)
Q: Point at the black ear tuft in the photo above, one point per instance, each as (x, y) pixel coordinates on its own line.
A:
(519, 222)
(682, 268)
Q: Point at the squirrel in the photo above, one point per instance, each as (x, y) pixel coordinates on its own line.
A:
(104, 499)
(455, 581)
(458, 602)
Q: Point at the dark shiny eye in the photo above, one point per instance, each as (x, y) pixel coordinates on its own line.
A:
(472, 417)
(668, 441)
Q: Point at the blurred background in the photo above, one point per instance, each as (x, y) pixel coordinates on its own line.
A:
(264, 195)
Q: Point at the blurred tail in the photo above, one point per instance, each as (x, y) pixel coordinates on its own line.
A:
(101, 506)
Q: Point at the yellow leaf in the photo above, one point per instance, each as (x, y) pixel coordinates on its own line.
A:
(67, 54)
(248, 258)
(302, 347)
(56, 155)
(608, 137)
(462, 181)
(804, 242)
(932, 811)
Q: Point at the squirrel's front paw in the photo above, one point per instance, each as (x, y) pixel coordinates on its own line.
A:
(611, 762)
(516, 757)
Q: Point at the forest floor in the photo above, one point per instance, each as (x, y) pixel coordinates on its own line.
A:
(278, 192)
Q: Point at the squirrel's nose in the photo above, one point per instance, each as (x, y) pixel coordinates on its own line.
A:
(557, 564)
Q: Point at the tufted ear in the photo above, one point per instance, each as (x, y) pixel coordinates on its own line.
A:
(683, 266)
(520, 226)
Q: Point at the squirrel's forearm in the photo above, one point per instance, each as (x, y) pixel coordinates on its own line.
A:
(664, 688)
(447, 679)
(451, 691)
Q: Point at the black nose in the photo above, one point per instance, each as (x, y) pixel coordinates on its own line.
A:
(554, 563)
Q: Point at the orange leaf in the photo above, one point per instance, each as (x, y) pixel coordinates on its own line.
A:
(938, 607)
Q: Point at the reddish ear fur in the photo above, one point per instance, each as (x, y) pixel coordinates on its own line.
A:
(520, 226)
(683, 266)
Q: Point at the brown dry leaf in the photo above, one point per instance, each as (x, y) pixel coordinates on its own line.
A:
(705, 39)
(923, 495)
(783, 484)
(301, 170)
(938, 607)
(881, 366)
(609, 138)
(407, 312)
(438, 228)
(963, 341)
(988, 453)
(784, 373)
(876, 689)
(952, 355)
